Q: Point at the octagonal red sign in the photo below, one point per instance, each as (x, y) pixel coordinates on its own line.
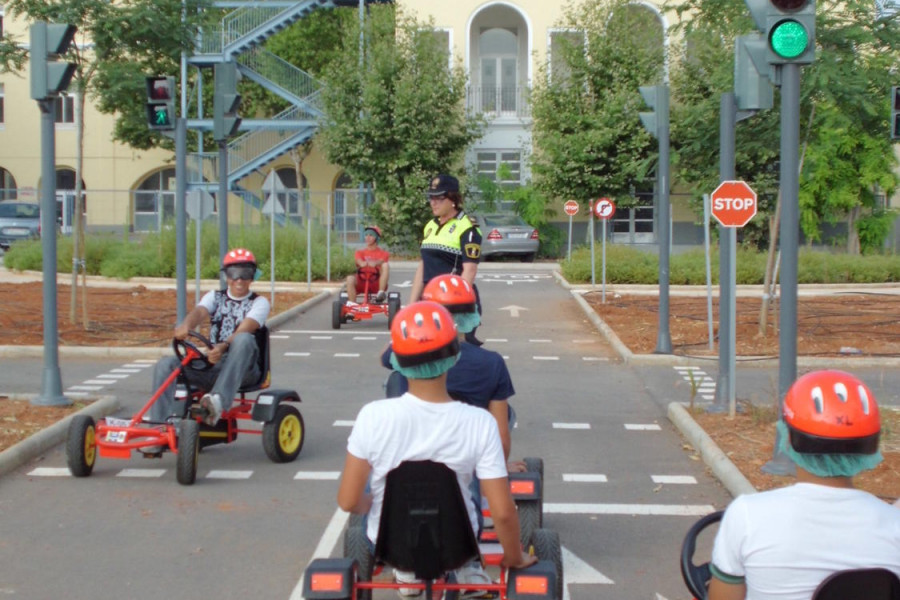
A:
(734, 203)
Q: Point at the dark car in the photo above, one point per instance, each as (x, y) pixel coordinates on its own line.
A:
(19, 221)
(507, 235)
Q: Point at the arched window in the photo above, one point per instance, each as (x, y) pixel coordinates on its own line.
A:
(498, 49)
(8, 188)
(154, 200)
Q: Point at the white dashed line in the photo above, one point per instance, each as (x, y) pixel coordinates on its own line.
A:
(343, 423)
(145, 473)
(584, 478)
(50, 472)
(229, 474)
(296, 353)
(320, 332)
(571, 426)
(686, 368)
(364, 337)
(496, 340)
(136, 366)
(90, 388)
(674, 479)
(346, 354)
(540, 341)
(76, 394)
(129, 371)
(111, 376)
(321, 337)
(97, 382)
(147, 361)
(594, 358)
(681, 510)
(279, 337)
(318, 475)
(545, 357)
(642, 427)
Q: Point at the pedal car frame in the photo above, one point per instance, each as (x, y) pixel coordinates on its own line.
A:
(342, 311)
(283, 430)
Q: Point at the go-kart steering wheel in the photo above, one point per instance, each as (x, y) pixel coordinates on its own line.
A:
(696, 577)
(182, 347)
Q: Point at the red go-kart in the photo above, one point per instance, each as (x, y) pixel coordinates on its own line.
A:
(345, 309)
(282, 424)
(425, 529)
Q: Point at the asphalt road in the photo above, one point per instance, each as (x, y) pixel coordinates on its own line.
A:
(621, 489)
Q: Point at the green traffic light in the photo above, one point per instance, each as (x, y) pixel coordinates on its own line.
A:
(161, 115)
(788, 39)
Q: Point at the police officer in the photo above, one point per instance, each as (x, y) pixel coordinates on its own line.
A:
(451, 241)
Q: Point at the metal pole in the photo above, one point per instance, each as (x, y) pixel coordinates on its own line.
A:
(727, 121)
(308, 250)
(180, 217)
(51, 382)
(603, 267)
(790, 226)
(569, 253)
(663, 338)
(223, 208)
(706, 246)
(328, 237)
(593, 261)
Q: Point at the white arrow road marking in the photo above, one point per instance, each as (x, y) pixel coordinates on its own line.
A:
(576, 570)
(405, 284)
(660, 596)
(513, 309)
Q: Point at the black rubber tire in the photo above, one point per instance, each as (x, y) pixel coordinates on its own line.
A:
(356, 546)
(546, 546)
(355, 520)
(393, 309)
(535, 465)
(283, 436)
(530, 519)
(81, 445)
(336, 314)
(188, 451)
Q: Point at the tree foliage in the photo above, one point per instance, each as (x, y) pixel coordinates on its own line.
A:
(587, 135)
(397, 119)
(845, 149)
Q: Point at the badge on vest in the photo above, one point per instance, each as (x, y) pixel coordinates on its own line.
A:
(452, 229)
(473, 251)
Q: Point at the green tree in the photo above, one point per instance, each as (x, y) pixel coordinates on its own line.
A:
(846, 153)
(396, 119)
(587, 135)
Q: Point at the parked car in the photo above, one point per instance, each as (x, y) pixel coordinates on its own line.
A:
(507, 235)
(19, 221)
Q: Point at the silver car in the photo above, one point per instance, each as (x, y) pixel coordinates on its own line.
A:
(507, 235)
(19, 221)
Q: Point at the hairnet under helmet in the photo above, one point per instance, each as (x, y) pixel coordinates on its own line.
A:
(423, 340)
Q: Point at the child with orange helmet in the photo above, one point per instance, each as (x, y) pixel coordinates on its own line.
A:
(372, 265)
(782, 543)
(427, 424)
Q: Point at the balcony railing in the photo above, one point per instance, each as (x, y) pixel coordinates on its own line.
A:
(499, 102)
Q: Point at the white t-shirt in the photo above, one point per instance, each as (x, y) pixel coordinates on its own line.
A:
(234, 311)
(785, 542)
(463, 437)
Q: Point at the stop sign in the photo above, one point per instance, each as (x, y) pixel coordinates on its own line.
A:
(733, 203)
(571, 208)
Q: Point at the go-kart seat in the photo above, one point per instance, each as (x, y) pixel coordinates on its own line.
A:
(265, 375)
(424, 525)
(872, 584)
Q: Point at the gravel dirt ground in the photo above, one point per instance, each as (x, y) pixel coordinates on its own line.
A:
(834, 325)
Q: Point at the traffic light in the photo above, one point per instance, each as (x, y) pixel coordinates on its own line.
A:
(790, 29)
(226, 101)
(657, 98)
(161, 102)
(752, 86)
(895, 113)
(49, 76)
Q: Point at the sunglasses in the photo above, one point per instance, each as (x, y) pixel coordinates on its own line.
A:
(236, 272)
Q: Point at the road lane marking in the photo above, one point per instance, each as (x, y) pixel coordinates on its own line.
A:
(112, 376)
(97, 382)
(595, 358)
(219, 474)
(673, 479)
(346, 354)
(584, 478)
(343, 423)
(146, 473)
(364, 337)
(50, 472)
(496, 340)
(329, 332)
(296, 353)
(541, 341)
(136, 366)
(89, 388)
(325, 547)
(571, 426)
(318, 475)
(545, 357)
(672, 510)
(129, 371)
(321, 337)
(642, 427)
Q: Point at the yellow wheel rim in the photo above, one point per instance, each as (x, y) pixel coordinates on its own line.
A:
(90, 447)
(290, 433)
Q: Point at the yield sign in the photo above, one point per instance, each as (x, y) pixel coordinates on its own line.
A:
(734, 203)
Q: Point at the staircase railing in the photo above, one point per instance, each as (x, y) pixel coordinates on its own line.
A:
(295, 81)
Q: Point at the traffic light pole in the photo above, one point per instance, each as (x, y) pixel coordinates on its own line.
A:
(180, 218)
(789, 233)
(222, 206)
(51, 382)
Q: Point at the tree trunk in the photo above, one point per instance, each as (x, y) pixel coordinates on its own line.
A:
(769, 282)
(852, 234)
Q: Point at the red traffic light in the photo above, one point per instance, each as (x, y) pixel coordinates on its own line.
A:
(789, 5)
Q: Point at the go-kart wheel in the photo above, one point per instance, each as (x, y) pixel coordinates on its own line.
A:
(188, 451)
(336, 317)
(354, 520)
(696, 577)
(535, 465)
(545, 545)
(530, 518)
(81, 445)
(283, 435)
(393, 309)
(182, 347)
(356, 546)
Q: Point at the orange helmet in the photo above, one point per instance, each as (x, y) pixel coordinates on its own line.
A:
(239, 256)
(832, 412)
(423, 332)
(451, 291)
(374, 228)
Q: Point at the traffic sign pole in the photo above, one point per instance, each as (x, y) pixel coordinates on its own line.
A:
(571, 209)
(604, 209)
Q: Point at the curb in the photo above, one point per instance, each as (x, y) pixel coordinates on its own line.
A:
(721, 466)
(17, 455)
(156, 352)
